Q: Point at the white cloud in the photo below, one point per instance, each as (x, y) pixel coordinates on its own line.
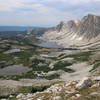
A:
(72, 1)
(43, 12)
(6, 5)
(11, 5)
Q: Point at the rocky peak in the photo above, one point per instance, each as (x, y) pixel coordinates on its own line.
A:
(59, 26)
(90, 17)
(65, 26)
(89, 26)
(81, 31)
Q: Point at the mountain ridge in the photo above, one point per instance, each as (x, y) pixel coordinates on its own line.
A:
(76, 32)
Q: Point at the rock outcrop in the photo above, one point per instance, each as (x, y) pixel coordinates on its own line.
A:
(84, 83)
(67, 91)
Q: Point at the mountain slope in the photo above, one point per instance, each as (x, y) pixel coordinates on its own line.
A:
(76, 32)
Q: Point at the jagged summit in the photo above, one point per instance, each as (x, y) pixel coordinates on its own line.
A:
(92, 15)
(89, 26)
(76, 32)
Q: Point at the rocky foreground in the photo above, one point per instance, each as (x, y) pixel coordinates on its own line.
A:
(86, 89)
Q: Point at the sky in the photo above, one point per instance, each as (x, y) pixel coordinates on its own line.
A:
(44, 13)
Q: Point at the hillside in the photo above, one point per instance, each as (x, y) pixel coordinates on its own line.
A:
(76, 32)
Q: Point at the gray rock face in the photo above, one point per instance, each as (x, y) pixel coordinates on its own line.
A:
(89, 26)
(66, 26)
(84, 83)
(76, 32)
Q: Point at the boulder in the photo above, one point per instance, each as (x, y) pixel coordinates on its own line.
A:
(29, 95)
(78, 95)
(57, 98)
(20, 96)
(84, 83)
(39, 99)
(97, 78)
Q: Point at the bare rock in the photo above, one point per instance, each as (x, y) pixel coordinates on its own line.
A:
(84, 83)
(97, 78)
(78, 95)
(20, 96)
(57, 98)
(3, 99)
(29, 95)
(39, 99)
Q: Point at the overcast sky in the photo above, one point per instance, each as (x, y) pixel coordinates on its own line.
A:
(45, 12)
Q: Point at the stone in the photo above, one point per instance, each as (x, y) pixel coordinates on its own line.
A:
(95, 85)
(69, 92)
(97, 78)
(30, 99)
(39, 99)
(67, 84)
(3, 99)
(20, 96)
(29, 95)
(55, 89)
(57, 98)
(72, 98)
(11, 96)
(95, 94)
(78, 95)
(84, 83)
